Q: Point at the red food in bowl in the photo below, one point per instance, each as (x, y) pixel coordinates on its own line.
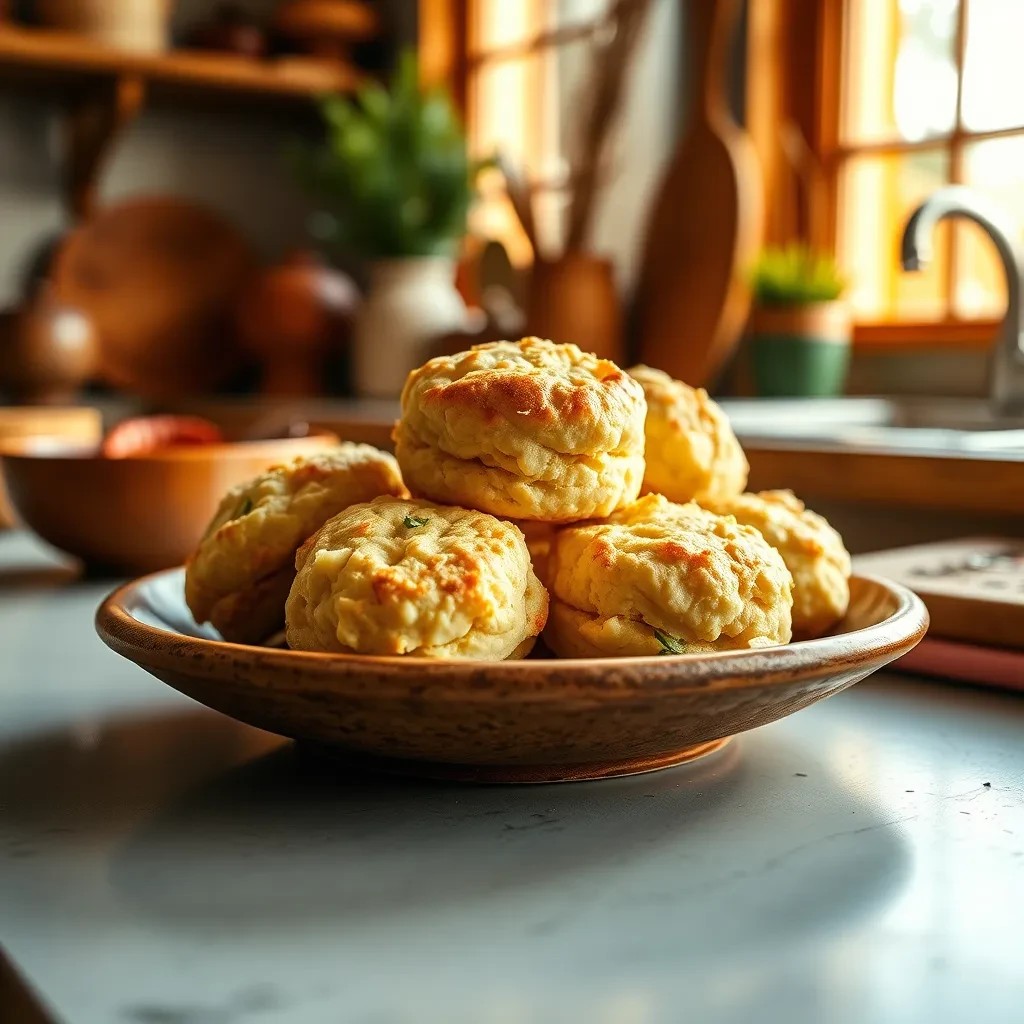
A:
(145, 434)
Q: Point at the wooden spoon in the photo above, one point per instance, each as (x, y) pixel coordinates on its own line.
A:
(705, 224)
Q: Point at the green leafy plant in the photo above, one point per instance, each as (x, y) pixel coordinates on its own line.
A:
(795, 275)
(391, 172)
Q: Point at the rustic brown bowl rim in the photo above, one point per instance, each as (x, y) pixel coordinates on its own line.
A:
(861, 651)
(58, 447)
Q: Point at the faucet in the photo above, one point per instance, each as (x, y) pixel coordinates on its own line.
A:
(1006, 370)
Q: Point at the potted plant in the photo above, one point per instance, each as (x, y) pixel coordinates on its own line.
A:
(393, 175)
(800, 326)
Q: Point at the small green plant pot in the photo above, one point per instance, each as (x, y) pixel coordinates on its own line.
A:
(800, 351)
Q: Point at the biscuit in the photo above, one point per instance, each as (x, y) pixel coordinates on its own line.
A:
(526, 429)
(692, 452)
(414, 578)
(538, 542)
(810, 547)
(660, 578)
(240, 574)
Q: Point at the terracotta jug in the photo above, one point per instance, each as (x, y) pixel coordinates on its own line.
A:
(574, 299)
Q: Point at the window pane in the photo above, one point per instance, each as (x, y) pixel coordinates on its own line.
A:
(995, 167)
(993, 83)
(876, 195)
(900, 75)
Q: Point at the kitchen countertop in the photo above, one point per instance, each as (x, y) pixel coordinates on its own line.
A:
(862, 861)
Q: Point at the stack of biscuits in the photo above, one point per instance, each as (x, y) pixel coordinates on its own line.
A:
(512, 509)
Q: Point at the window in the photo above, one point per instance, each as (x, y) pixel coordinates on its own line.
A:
(930, 92)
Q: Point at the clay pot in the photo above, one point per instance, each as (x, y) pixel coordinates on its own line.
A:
(48, 350)
(140, 25)
(291, 317)
(574, 299)
(325, 28)
(800, 351)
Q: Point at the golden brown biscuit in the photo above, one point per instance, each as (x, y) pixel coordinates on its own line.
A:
(411, 577)
(527, 429)
(538, 542)
(692, 452)
(810, 547)
(239, 576)
(659, 578)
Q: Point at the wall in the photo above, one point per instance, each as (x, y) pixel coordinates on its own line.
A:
(228, 158)
(648, 126)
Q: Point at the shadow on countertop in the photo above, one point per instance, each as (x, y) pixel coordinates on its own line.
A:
(204, 823)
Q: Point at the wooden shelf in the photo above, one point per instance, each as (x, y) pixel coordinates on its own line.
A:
(65, 55)
(103, 89)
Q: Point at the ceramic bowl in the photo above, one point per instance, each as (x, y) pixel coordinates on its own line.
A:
(73, 423)
(514, 721)
(137, 514)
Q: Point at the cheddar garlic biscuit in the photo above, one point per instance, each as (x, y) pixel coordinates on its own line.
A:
(239, 576)
(692, 452)
(411, 577)
(538, 538)
(810, 547)
(660, 578)
(526, 429)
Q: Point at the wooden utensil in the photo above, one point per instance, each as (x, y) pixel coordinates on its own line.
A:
(158, 278)
(512, 721)
(521, 198)
(705, 223)
(325, 28)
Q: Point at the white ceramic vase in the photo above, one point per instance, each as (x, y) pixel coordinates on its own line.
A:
(410, 304)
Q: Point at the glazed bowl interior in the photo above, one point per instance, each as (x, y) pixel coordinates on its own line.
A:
(537, 719)
(136, 514)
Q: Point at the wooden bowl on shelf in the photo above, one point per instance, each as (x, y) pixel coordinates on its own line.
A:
(136, 514)
(325, 28)
(536, 720)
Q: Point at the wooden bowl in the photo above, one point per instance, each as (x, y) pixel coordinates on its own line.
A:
(71, 422)
(137, 514)
(516, 721)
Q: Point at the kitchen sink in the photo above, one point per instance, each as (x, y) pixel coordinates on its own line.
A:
(912, 423)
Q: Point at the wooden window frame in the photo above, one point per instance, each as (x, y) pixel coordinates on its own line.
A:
(795, 57)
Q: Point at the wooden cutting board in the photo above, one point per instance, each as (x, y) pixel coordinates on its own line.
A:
(974, 588)
(705, 224)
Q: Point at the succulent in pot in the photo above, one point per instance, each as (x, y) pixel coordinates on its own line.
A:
(800, 325)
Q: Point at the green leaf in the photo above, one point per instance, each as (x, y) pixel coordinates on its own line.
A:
(795, 275)
(411, 522)
(391, 170)
(244, 509)
(669, 644)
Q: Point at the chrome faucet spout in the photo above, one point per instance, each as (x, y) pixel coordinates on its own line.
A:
(1006, 380)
